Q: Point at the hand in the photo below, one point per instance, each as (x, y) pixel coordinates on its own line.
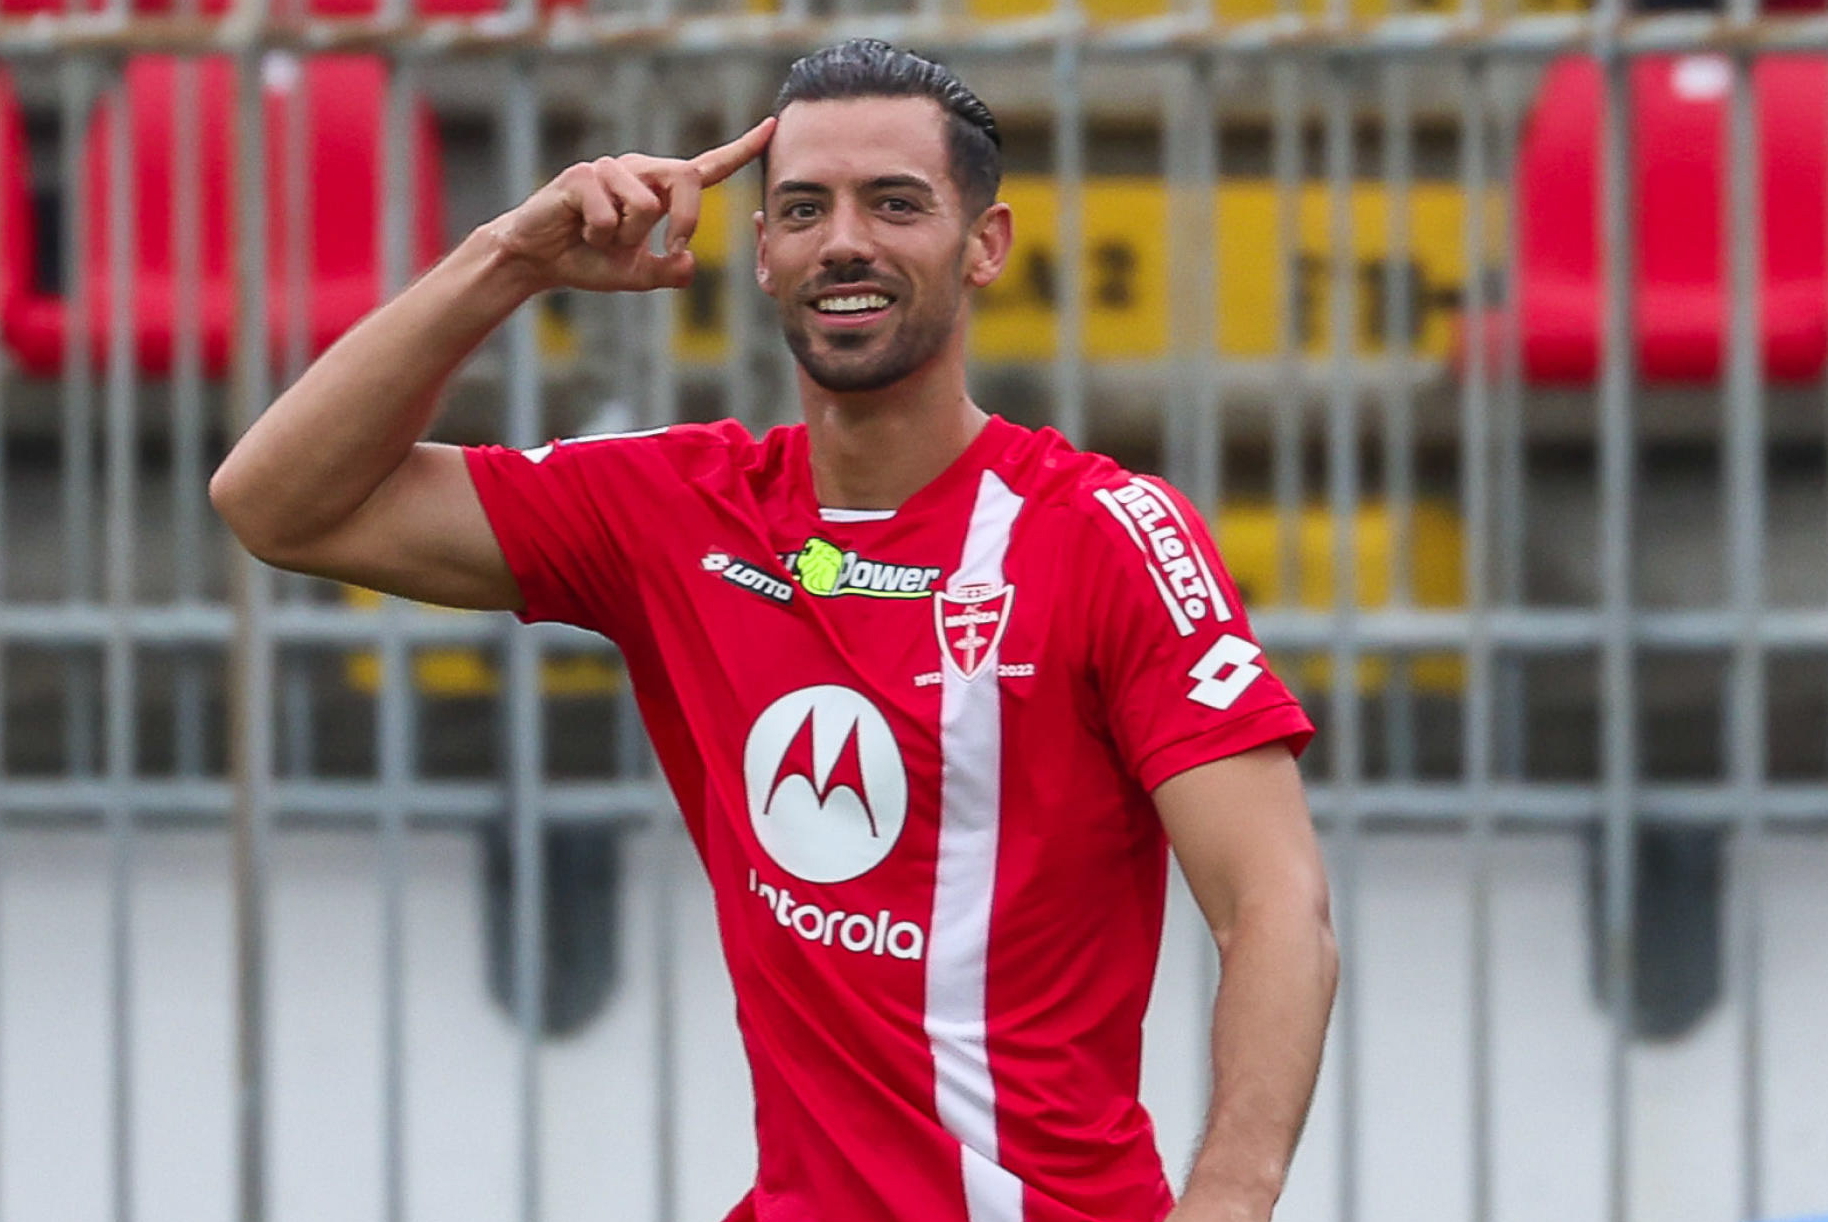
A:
(1208, 1201)
(589, 227)
(1191, 1210)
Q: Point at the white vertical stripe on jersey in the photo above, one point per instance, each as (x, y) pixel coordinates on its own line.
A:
(970, 802)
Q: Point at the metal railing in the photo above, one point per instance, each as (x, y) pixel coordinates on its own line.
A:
(79, 620)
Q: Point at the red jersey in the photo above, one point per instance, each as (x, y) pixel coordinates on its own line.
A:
(915, 752)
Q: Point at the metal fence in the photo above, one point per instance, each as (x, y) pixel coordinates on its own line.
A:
(1630, 657)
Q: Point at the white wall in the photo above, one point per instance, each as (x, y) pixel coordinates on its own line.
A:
(599, 1104)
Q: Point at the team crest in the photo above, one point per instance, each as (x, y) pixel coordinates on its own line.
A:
(970, 623)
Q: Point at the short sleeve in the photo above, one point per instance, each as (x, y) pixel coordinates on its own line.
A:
(574, 519)
(1182, 678)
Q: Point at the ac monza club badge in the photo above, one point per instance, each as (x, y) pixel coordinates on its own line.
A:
(970, 622)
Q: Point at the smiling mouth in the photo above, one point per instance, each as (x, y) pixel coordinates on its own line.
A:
(848, 304)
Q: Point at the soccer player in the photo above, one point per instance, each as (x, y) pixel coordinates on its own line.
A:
(936, 693)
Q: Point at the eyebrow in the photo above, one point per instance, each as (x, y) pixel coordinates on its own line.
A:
(885, 182)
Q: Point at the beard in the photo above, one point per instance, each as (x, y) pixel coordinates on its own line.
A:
(867, 362)
(844, 362)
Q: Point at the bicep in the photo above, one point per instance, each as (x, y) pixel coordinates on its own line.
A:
(423, 535)
(1241, 830)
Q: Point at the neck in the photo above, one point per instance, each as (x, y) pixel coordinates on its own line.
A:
(875, 449)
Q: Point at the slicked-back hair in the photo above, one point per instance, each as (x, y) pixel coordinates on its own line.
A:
(871, 68)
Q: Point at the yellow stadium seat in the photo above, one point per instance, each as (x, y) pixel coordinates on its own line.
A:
(1251, 541)
(463, 671)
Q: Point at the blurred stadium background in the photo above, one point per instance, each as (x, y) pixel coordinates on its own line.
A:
(1493, 334)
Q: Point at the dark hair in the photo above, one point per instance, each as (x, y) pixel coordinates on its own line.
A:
(871, 68)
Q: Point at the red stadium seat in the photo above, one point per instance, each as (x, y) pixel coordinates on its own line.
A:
(344, 98)
(15, 202)
(1678, 117)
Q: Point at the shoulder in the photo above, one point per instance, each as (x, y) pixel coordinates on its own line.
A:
(677, 444)
(1050, 474)
(1151, 541)
(1092, 494)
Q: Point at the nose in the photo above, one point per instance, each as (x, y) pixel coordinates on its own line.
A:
(847, 235)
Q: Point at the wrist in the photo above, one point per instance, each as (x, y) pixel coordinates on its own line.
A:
(505, 277)
(1224, 1194)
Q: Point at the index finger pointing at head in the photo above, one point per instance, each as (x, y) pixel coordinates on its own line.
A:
(715, 165)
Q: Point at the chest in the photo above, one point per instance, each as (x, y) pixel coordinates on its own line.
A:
(891, 612)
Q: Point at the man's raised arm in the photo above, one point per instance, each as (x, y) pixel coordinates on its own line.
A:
(333, 479)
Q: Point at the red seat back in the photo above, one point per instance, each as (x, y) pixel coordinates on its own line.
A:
(343, 102)
(1679, 147)
(15, 203)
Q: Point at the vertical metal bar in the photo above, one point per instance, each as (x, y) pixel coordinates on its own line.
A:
(664, 136)
(1746, 495)
(1069, 181)
(121, 455)
(296, 207)
(1399, 289)
(187, 421)
(1190, 461)
(520, 155)
(1289, 400)
(738, 293)
(1476, 725)
(1617, 655)
(1343, 486)
(251, 725)
(629, 101)
(77, 90)
(1511, 513)
(396, 208)
(1203, 170)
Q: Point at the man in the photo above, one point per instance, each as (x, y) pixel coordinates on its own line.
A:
(933, 690)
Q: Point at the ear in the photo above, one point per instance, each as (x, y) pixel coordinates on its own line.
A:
(762, 276)
(987, 250)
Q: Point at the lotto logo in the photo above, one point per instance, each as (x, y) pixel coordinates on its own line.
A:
(746, 576)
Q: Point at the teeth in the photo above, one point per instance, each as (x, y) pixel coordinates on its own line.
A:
(856, 304)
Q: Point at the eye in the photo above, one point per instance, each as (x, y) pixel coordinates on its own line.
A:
(799, 210)
(900, 205)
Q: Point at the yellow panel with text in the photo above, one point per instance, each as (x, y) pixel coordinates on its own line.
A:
(1250, 540)
(1126, 247)
(1254, 279)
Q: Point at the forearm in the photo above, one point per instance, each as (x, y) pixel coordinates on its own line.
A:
(1269, 1024)
(326, 444)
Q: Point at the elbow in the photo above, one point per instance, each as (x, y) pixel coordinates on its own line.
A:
(240, 507)
(1325, 942)
(1313, 906)
(1327, 948)
(230, 501)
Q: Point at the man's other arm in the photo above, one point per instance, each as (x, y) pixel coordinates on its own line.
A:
(333, 479)
(1242, 833)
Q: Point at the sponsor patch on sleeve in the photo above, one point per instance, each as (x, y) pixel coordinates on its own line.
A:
(1171, 555)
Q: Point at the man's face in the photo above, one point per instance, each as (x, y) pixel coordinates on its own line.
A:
(862, 240)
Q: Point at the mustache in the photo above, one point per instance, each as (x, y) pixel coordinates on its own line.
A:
(855, 272)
